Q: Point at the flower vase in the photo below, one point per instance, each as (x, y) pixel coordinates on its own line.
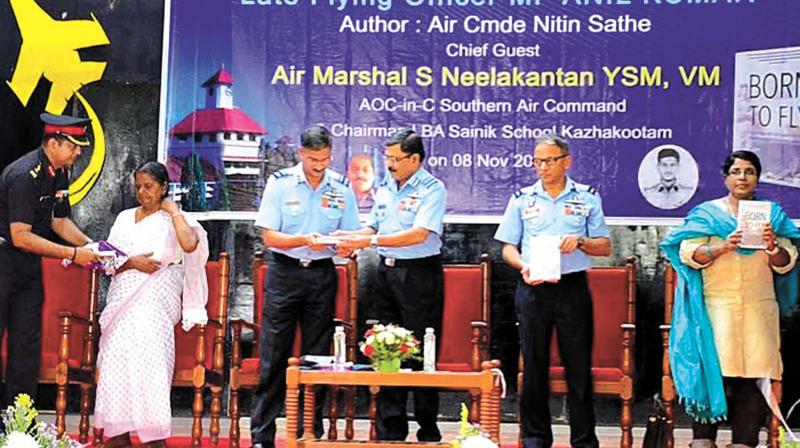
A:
(387, 365)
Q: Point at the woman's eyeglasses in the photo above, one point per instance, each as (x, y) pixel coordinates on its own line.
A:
(747, 172)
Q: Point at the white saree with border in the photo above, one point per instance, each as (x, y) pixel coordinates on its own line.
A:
(137, 343)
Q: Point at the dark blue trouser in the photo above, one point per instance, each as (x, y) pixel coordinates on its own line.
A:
(567, 306)
(21, 298)
(292, 294)
(410, 294)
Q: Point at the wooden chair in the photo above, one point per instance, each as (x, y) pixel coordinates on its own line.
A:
(70, 296)
(613, 292)
(668, 392)
(245, 372)
(200, 353)
(198, 359)
(467, 308)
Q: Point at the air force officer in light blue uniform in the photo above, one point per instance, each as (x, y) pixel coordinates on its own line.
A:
(298, 206)
(555, 205)
(405, 226)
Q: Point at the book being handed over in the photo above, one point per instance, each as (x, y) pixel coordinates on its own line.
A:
(753, 216)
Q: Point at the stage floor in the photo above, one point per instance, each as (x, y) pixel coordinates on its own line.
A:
(609, 436)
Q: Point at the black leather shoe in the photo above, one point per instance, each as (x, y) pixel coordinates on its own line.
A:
(259, 445)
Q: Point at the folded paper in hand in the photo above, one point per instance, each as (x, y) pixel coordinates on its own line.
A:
(544, 262)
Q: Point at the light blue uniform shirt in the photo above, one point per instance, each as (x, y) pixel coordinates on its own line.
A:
(532, 211)
(420, 203)
(289, 205)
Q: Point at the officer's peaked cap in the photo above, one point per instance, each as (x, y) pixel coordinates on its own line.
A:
(72, 128)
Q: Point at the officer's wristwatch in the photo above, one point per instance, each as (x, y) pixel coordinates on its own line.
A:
(373, 242)
(581, 241)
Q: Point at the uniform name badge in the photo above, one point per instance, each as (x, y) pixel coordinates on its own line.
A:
(293, 205)
(531, 212)
(544, 259)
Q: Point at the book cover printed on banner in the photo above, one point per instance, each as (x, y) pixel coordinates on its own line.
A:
(767, 112)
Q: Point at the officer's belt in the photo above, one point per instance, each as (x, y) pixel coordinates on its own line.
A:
(289, 261)
(402, 263)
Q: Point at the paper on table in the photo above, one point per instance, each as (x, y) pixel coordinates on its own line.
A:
(753, 215)
(318, 359)
(544, 262)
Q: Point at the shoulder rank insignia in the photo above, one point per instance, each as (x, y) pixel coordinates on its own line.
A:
(280, 174)
(339, 178)
(35, 171)
(429, 183)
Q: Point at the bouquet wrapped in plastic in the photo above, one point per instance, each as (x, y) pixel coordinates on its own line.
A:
(23, 431)
(469, 435)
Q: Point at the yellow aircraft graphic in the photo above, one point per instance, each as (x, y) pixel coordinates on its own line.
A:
(50, 50)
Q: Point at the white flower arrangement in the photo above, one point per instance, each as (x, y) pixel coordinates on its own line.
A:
(23, 432)
(21, 440)
(389, 344)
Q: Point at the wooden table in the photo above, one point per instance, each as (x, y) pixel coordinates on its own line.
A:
(486, 382)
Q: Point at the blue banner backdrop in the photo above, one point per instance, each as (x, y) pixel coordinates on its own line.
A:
(652, 94)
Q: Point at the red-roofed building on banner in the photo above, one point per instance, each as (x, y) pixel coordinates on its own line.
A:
(225, 138)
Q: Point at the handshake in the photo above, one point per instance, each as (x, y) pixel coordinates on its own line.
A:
(346, 242)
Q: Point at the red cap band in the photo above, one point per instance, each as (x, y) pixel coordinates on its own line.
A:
(69, 130)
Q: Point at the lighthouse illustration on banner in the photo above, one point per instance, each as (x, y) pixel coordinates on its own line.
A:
(215, 156)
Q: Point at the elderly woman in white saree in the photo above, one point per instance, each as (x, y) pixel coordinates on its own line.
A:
(160, 282)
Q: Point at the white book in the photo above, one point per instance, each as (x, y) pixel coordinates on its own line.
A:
(328, 240)
(544, 261)
(753, 216)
